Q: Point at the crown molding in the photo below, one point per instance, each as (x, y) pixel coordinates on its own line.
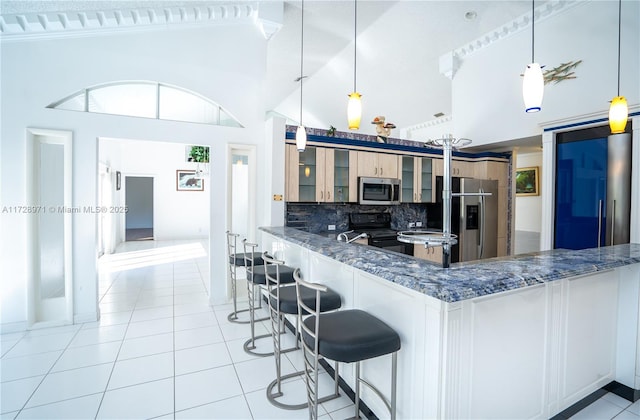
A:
(82, 23)
(543, 12)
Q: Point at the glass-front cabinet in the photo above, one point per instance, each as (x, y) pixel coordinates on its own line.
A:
(416, 179)
(321, 174)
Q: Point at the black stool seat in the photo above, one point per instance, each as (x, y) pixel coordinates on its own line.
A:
(329, 300)
(238, 259)
(352, 335)
(259, 277)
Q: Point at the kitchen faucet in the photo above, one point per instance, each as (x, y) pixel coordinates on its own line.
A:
(342, 237)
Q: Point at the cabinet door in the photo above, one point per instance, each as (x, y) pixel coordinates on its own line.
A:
(342, 180)
(462, 169)
(430, 254)
(307, 173)
(324, 174)
(292, 173)
(367, 164)
(388, 165)
(424, 180)
(407, 169)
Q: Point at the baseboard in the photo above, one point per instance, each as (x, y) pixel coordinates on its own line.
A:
(614, 387)
(623, 391)
(13, 327)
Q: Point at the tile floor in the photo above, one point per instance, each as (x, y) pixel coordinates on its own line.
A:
(160, 351)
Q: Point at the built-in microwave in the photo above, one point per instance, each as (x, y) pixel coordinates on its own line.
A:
(378, 191)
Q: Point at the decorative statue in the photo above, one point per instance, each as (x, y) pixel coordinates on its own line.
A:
(383, 130)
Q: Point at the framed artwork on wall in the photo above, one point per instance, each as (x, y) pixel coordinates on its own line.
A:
(186, 180)
(527, 181)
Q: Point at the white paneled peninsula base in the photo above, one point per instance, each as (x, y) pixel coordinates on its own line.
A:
(513, 337)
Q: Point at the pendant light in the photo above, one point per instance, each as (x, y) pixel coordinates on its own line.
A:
(533, 84)
(301, 133)
(354, 107)
(618, 112)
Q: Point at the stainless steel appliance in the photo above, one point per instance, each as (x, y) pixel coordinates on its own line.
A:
(378, 191)
(473, 218)
(376, 227)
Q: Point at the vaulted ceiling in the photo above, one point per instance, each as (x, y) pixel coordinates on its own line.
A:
(399, 45)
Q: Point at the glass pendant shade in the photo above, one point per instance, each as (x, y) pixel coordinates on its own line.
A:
(533, 87)
(354, 111)
(301, 138)
(618, 115)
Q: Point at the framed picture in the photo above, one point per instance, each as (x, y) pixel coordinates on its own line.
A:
(186, 181)
(527, 181)
(118, 180)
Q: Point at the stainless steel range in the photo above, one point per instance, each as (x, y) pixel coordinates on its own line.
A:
(376, 227)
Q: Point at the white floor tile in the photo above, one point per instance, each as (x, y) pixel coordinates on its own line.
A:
(191, 308)
(12, 337)
(76, 357)
(616, 399)
(198, 337)
(148, 314)
(77, 408)
(148, 400)
(261, 408)
(89, 336)
(634, 408)
(113, 318)
(258, 373)
(146, 346)
(71, 384)
(190, 298)
(204, 319)
(53, 330)
(201, 358)
(236, 349)
(27, 366)
(237, 331)
(627, 415)
(345, 413)
(6, 346)
(141, 369)
(205, 387)
(118, 306)
(601, 409)
(14, 394)
(147, 328)
(231, 408)
(40, 344)
(154, 302)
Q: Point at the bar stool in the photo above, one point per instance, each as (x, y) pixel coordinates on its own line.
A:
(346, 336)
(256, 278)
(236, 260)
(283, 300)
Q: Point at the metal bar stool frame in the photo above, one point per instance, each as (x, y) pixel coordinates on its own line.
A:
(277, 329)
(311, 357)
(250, 344)
(232, 255)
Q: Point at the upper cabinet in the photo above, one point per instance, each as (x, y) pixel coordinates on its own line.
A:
(380, 165)
(459, 168)
(416, 175)
(321, 174)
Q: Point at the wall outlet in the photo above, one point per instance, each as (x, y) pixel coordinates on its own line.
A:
(412, 225)
(418, 224)
(331, 227)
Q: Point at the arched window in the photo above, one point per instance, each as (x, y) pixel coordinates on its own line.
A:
(148, 100)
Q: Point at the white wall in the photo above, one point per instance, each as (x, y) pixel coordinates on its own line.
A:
(487, 89)
(529, 209)
(225, 63)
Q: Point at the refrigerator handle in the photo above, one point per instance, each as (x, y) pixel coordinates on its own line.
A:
(482, 220)
(599, 222)
(613, 220)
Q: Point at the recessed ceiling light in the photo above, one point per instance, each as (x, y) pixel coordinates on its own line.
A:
(470, 15)
(438, 114)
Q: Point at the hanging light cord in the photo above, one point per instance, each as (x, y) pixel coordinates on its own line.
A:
(355, 41)
(533, 35)
(619, 39)
(301, 57)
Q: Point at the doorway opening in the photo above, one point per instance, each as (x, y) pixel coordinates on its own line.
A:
(139, 204)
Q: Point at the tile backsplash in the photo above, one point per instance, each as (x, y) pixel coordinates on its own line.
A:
(316, 218)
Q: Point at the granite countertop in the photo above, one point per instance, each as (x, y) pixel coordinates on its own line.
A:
(464, 280)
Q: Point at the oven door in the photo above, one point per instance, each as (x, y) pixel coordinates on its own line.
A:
(392, 244)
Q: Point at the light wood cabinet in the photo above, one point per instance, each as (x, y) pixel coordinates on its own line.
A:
(433, 254)
(380, 165)
(459, 168)
(500, 172)
(321, 174)
(417, 180)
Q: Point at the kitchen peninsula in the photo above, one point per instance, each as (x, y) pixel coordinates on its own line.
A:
(513, 337)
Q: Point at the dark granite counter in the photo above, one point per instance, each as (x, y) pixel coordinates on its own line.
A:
(464, 280)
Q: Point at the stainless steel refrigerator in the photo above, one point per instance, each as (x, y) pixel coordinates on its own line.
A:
(473, 218)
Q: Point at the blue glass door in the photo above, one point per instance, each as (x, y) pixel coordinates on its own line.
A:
(581, 188)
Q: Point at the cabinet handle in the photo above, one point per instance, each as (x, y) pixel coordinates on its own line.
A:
(321, 195)
(414, 196)
(375, 171)
(420, 197)
(380, 171)
(328, 195)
